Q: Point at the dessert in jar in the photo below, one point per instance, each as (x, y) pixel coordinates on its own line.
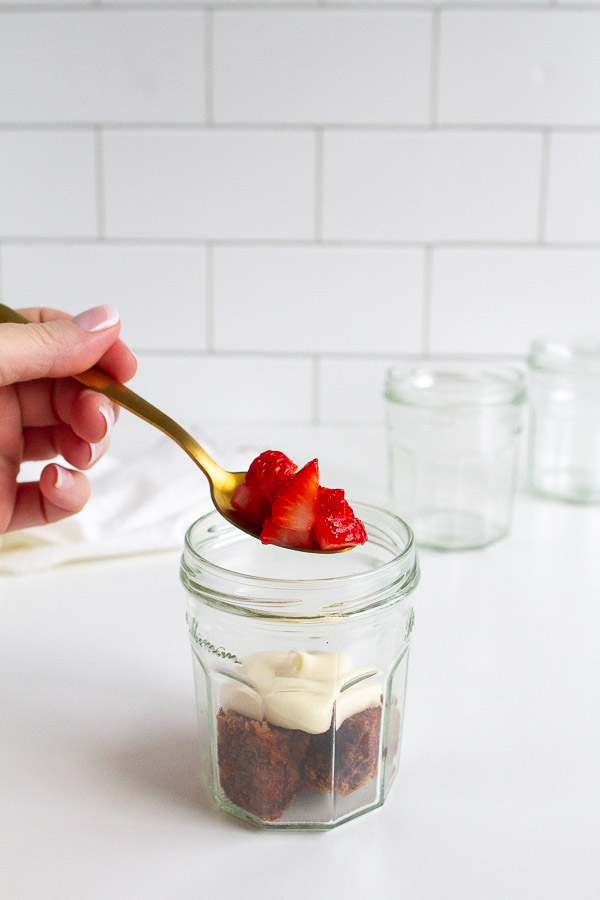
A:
(300, 664)
(299, 721)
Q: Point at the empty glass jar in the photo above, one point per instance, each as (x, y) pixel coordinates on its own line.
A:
(453, 440)
(564, 430)
(300, 665)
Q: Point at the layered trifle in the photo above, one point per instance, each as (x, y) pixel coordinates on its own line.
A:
(297, 722)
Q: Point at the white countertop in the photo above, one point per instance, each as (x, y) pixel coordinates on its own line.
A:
(498, 793)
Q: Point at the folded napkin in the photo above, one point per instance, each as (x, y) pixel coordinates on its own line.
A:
(141, 505)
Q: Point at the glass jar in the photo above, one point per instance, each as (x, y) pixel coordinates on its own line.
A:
(300, 663)
(564, 426)
(453, 440)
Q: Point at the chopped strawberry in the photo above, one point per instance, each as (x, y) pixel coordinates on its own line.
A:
(336, 526)
(295, 503)
(333, 503)
(291, 507)
(269, 471)
(272, 533)
(335, 532)
(250, 503)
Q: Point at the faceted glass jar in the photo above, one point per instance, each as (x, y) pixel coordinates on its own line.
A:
(300, 664)
(564, 427)
(453, 440)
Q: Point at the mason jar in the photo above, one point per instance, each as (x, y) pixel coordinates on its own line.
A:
(453, 442)
(300, 663)
(564, 429)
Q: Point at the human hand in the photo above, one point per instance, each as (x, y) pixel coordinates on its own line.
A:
(44, 413)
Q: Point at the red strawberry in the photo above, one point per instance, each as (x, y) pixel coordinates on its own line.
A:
(333, 503)
(269, 471)
(272, 533)
(293, 509)
(295, 504)
(252, 505)
(335, 532)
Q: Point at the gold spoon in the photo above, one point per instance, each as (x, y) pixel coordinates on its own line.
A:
(222, 483)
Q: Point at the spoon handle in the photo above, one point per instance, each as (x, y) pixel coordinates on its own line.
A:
(98, 380)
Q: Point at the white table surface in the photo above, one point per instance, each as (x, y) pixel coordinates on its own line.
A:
(498, 792)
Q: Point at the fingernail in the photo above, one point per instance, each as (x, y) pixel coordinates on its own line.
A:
(95, 453)
(97, 319)
(108, 412)
(63, 479)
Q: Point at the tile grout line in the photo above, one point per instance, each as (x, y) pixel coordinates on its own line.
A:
(117, 6)
(427, 300)
(100, 181)
(333, 243)
(209, 65)
(209, 287)
(424, 128)
(434, 72)
(316, 390)
(544, 186)
(319, 153)
(305, 356)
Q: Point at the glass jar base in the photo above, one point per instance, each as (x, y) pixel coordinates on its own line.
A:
(451, 529)
(311, 812)
(568, 485)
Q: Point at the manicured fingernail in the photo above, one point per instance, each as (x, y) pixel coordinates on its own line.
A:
(63, 478)
(95, 453)
(97, 319)
(108, 412)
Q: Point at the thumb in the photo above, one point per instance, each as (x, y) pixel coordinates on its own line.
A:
(57, 348)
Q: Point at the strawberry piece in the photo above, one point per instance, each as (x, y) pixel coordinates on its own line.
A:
(332, 503)
(291, 507)
(250, 503)
(295, 503)
(336, 526)
(334, 532)
(272, 533)
(269, 471)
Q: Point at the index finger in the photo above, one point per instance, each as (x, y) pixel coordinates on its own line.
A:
(118, 361)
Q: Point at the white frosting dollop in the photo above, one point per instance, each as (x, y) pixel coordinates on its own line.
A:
(300, 689)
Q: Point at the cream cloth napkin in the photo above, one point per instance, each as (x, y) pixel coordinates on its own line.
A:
(142, 505)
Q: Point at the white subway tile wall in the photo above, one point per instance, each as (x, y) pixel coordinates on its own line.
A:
(492, 300)
(574, 194)
(47, 184)
(198, 389)
(330, 66)
(211, 184)
(519, 67)
(158, 289)
(284, 198)
(317, 299)
(431, 186)
(94, 65)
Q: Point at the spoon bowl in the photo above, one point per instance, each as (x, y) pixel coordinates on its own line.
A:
(222, 483)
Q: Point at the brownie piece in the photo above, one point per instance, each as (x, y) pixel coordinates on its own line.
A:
(356, 750)
(260, 765)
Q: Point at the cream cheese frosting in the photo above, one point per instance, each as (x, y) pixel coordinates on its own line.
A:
(300, 689)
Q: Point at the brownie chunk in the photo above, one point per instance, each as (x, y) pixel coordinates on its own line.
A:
(356, 748)
(260, 765)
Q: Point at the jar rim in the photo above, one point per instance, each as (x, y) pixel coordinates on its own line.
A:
(446, 384)
(372, 587)
(577, 357)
